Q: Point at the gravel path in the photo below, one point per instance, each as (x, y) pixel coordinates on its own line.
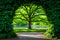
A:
(29, 36)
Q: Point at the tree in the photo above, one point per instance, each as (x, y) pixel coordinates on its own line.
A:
(30, 13)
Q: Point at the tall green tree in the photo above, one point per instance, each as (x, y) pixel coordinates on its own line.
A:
(30, 13)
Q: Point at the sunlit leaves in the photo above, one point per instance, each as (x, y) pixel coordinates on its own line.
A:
(31, 11)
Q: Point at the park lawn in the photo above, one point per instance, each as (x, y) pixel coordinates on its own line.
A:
(29, 30)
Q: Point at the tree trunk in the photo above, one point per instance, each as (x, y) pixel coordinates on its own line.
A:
(29, 24)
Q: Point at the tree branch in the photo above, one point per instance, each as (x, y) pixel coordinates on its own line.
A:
(38, 20)
(37, 16)
(33, 12)
(41, 20)
(20, 18)
(23, 16)
(25, 8)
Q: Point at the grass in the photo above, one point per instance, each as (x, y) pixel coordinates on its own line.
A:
(29, 30)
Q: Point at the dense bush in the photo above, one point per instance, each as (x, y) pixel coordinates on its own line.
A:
(7, 35)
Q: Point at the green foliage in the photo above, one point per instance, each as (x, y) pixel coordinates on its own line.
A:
(49, 32)
(7, 35)
(37, 14)
(8, 7)
(53, 17)
(6, 17)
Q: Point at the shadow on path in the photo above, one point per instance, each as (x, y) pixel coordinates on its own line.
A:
(28, 36)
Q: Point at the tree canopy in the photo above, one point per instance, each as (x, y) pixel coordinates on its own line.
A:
(31, 13)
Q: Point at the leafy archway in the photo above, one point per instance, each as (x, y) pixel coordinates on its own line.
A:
(8, 7)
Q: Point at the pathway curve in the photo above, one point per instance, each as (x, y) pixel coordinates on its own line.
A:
(29, 36)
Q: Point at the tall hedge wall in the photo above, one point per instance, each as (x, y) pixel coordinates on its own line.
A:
(53, 14)
(7, 11)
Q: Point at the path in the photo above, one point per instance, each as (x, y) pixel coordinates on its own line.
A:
(29, 36)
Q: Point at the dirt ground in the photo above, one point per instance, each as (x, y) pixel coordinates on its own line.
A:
(29, 36)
